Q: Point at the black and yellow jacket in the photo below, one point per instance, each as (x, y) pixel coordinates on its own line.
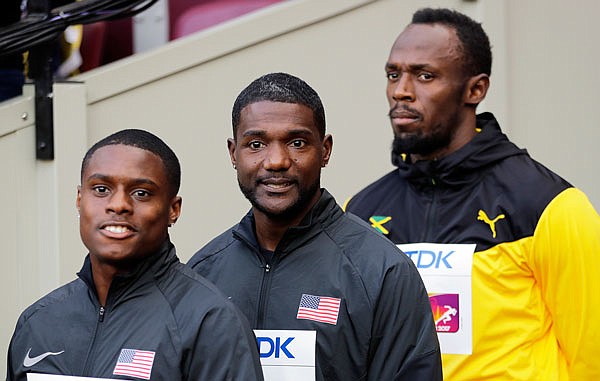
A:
(535, 276)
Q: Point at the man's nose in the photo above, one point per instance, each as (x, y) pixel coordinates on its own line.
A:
(404, 89)
(278, 158)
(119, 202)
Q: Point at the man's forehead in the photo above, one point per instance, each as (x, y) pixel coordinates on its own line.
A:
(119, 150)
(265, 113)
(427, 40)
(120, 157)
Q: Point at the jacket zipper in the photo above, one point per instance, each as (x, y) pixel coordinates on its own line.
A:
(101, 312)
(265, 284)
(431, 213)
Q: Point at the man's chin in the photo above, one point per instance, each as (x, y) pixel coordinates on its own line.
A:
(285, 207)
(417, 145)
(275, 211)
(405, 143)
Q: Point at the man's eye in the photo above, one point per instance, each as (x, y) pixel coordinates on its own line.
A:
(141, 193)
(255, 145)
(392, 76)
(426, 76)
(298, 143)
(100, 189)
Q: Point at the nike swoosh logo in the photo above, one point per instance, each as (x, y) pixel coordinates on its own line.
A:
(31, 361)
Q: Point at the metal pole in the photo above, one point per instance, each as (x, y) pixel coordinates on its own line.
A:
(40, 70)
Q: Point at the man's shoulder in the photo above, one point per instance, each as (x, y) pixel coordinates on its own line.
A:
(390, 179)
(365, 246)
(58, 298)
(377, 191)
(215, 246)
(529, 184)
(187, 290)
(370, 256)
(526, 168)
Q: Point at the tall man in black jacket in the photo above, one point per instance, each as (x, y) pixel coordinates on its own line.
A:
(297, 262)
(135, 312)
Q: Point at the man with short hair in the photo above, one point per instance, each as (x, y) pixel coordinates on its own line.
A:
(460, 181)
(135, 312)
(297, 262)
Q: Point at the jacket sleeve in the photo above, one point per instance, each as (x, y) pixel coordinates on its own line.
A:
(10, 374)
(404, 342)
(13, 371)
(565, 257)
(225, 348)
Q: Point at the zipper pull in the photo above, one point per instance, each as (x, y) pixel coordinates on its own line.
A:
(101, 314)
(267, 268)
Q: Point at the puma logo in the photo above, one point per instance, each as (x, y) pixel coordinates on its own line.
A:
(483, 217)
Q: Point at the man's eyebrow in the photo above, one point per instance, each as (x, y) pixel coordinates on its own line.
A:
(292, 132)
(300, 131)
(390, 66)
(254, 133)
(416, 66)
(134, 181)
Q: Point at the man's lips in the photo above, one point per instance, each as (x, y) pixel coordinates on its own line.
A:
(117, 229)
(404, 114)
(277, 184)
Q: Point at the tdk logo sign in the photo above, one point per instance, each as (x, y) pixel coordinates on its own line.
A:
(287, 354)
(274, 347)
(425, 259)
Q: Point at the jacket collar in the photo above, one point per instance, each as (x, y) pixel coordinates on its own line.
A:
(322, 214)
(146, 271)
(464, 166)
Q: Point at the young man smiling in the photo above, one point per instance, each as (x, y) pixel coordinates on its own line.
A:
(314, 281)
(135, 312)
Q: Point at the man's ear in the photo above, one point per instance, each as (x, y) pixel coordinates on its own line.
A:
(78, 199)
(175, 209)
(476, 90)
(231, 148)
(327, 148)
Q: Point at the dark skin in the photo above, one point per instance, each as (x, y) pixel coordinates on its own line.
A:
(430, 97)
(278, 153)
(126, 206)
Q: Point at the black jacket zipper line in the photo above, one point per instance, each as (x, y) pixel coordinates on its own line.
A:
(265, 286)
(101, 314)
(265, 283)
(431, 212)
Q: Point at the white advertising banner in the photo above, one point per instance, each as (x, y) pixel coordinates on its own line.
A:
(55, 377)
(446, 272)
(287, 355)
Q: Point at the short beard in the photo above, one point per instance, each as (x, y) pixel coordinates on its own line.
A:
(419, 144)
(299, 206)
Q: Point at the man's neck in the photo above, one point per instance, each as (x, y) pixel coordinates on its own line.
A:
(103, 275)
(462, 136)
(270, 230)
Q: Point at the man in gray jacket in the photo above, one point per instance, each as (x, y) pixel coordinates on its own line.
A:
(135, 312)
(311, 279)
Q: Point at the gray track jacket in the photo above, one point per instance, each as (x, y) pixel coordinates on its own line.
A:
(163, 322)
(384, 328)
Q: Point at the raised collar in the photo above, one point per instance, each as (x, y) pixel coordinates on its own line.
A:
(322, 214)
(145, 271)
(464, 166)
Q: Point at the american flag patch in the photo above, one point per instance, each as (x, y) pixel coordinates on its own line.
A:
(135, 363)
(319, 308)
